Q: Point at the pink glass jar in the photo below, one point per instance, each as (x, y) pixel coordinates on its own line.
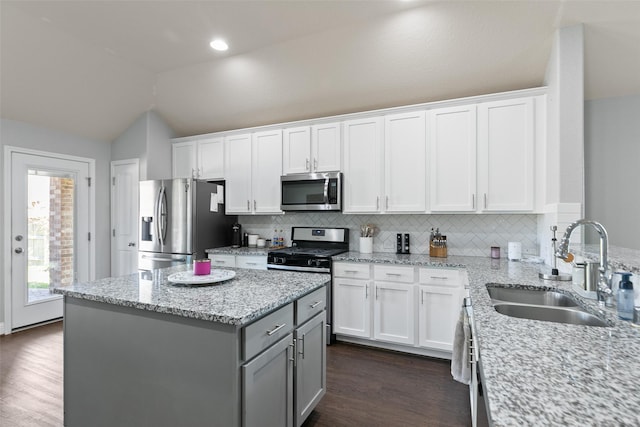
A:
(201, 267)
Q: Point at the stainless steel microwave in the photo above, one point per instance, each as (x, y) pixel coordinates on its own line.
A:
(312, 192)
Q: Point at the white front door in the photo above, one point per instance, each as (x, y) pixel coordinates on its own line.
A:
(49, 202)
(124, 217)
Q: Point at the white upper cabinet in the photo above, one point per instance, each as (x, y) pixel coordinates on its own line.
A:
(405, 163)
(210, 158)
(326, 145)
(266, 171)
(296, 150)
(183, 159)
(200, 159)
(311, 149)
(238, 176)
(506, 155)
(452, 165)
(254, 165)
(363, 165)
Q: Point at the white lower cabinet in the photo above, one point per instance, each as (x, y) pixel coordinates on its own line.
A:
(351, 307)
(438, 312)
(393, 313)
(254, 262)
(413, 309)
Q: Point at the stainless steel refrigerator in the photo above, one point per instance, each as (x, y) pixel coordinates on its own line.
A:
(179, 219)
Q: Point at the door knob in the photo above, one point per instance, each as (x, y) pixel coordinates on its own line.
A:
(131, 244)
(18, 238)
(18, 250)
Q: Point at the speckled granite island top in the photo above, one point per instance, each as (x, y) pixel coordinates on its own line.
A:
(248, 296)
(539, 373)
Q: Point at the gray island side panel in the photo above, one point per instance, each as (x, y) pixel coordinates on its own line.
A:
(129, 367)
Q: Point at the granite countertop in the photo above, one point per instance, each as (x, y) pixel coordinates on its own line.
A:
(248, 296)
(538, 373)
(620, 259)
(228, 250)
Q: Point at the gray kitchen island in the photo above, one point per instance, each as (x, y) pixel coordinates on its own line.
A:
(141, 351)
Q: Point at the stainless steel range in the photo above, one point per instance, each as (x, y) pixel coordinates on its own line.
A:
(311, 250)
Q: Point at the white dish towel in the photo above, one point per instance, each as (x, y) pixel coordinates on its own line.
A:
(460, 368)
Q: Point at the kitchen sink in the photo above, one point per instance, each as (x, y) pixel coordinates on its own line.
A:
(541, 304)
(532, 297)
(550, 314)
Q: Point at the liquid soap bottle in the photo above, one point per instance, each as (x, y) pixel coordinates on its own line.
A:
(625, 297)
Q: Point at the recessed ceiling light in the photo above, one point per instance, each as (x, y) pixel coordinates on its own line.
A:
(219, 44)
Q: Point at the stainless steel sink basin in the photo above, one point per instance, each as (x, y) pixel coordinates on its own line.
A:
(531, 296)
(550, 314)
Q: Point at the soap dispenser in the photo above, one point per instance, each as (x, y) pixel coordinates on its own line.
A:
(625, 297)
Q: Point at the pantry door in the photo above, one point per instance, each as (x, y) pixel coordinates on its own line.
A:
(50, 240)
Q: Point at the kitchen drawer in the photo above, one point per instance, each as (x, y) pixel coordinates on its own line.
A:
(219, 260)
(256, 262)
(310, 305)
(440, 277)
(265, 332)
(351, 270)
(390, 273)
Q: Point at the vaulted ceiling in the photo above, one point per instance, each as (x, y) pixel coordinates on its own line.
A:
(91, 67)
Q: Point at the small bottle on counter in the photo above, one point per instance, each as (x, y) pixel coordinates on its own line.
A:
(625, 297)
(281, 238)
(275, 242)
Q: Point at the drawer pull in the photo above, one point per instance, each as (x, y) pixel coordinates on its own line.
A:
(351, 271)
(251, 263)
(276, 329)
(439, 277)
(393, 274)
(315, 304)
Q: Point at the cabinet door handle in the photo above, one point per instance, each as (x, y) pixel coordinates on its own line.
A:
(485, 200)
(315, 304)
(377, 203)
(439, 277)
(351, 271)
(393, 274)
(422, 297)
(473, 201)
(387, 203)
(306, 164)
(255, 205)
(248, 205)
(251, 263)
(292, 350)
(315, 164)
(366, 291)
(376, 291)
(276, 329)
(301, 340)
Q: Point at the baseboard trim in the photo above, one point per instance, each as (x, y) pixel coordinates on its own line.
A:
(439, 354)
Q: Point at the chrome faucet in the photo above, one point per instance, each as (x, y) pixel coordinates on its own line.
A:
(604, 283)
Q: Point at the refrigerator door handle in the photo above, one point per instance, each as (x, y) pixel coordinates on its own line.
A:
(161, 214)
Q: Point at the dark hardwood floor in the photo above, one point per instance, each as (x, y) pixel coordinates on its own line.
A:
(31, 377)
(366, 387)
(370, 387)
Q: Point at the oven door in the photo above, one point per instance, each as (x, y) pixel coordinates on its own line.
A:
(311, 192)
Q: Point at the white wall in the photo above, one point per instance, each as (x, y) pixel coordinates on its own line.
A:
(147, 139)
(612, 161)
(564, 154)
(24, 135)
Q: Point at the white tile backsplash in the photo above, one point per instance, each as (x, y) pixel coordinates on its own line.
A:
(467, 234)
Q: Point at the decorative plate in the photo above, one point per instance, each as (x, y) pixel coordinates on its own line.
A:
(188, 278)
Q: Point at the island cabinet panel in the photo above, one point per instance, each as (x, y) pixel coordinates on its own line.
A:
(266, 331)
(126, 366)
(311, 366)
(130, 367)
(267, 384)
